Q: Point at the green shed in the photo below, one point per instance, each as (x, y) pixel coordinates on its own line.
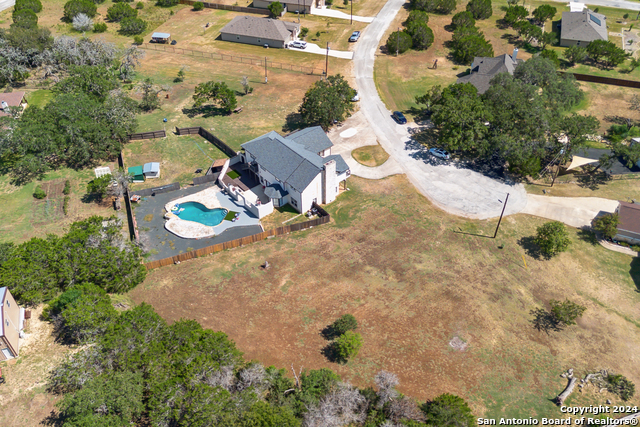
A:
(137, 172)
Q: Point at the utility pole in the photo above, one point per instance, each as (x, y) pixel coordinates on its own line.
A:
(266, 80)
(397, 41)
(326, 67)
(351, 12)
(500, 220)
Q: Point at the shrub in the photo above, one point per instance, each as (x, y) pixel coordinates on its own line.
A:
(607, 224)
(167, 3)
(65, 205)
(565, 313)
(120, 11)
(348, 345)
(552, 56)
(198, 6)
(33, 5)
(421, 35)
(82, 22)
(132, 26)
(480, 9)
(625, 16)
(39, 193)
(398, 41)
(462, 20)
(552, 238)
(621, 386)
(25, 18)
(303, 32)
(67, 188)
(576, 54)
(74, 7)
(139, 5)
(138, 40)
(343, 324)
(99, 27)
(448, 409)
(98, 186)
(417, 16)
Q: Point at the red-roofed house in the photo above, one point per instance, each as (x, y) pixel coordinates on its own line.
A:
(12, 100)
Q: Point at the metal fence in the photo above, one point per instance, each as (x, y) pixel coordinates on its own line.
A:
(324, 218)
(232, 58)
(197, 130)
(147, 135)
(229, 7)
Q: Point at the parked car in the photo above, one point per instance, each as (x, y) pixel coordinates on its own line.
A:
(399, 117)
(355, 36)
(299, 44)
(440, 153)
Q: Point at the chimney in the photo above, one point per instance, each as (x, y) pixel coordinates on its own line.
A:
(515, 54)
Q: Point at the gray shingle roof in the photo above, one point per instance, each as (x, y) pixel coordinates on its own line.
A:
(313, 139)
(265, 28)
(484, 69)
(289, 160)
(275, 191)
(585, 26)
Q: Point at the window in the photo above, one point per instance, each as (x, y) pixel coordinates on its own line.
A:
(237, 37)
(259, 41)
(7, 322)
(294, 202)
(8, 305)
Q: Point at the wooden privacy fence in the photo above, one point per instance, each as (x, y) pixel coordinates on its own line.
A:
(242, 241)
(233, 58)
(197, 130)
(158, 190)
(147, 135)
(605, 80)
(229, 7)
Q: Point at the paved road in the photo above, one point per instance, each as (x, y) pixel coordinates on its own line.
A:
(573, 211)
(6, 4)
(314, 48)
(622, 4)
(340, 15)
(454, 189)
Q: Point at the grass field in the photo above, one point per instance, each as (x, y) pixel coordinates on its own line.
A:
(415, 278)
(370, 155)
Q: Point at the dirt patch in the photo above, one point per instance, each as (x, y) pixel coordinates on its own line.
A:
(415, 282)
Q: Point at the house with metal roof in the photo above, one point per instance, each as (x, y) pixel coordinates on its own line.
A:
(581, 28)
(484, 69)
(260, 31)
(160, 37)
(13, 318)
(151, 170)
(297, 169)
(300, 6)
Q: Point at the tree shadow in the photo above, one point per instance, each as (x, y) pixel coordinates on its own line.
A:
(91, 198)
(635, 272)
(293, 122)
(205, 111)
(530, 247)
(54, 419)
(593, 179)
(545, 321)
(618, 120)
(330, 353)
(586, 234)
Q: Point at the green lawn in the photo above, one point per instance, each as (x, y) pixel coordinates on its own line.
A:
(39, 98)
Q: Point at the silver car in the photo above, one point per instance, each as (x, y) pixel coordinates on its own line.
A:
(439, 152)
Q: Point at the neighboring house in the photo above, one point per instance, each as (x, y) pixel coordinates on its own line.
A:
(260, 31)
(302, 6)
(15, 101)
(581, 28)
(12, 325)
(297, 169)
(484, 69)
(629, 226)
(151, 170)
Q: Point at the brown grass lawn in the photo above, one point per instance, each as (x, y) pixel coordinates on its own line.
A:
(370, 155)
(414, 281)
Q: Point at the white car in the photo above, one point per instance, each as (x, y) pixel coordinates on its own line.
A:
(299, 44)
(439, 152)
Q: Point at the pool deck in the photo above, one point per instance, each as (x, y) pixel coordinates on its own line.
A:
(160, 243)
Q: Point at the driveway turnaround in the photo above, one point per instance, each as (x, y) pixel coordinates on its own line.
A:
(573, 211)
(314, 48)
(452, 188)
(340, 15)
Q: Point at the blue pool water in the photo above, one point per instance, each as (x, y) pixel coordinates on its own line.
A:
(197, 212)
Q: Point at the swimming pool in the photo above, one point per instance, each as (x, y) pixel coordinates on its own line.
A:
(197, 212)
